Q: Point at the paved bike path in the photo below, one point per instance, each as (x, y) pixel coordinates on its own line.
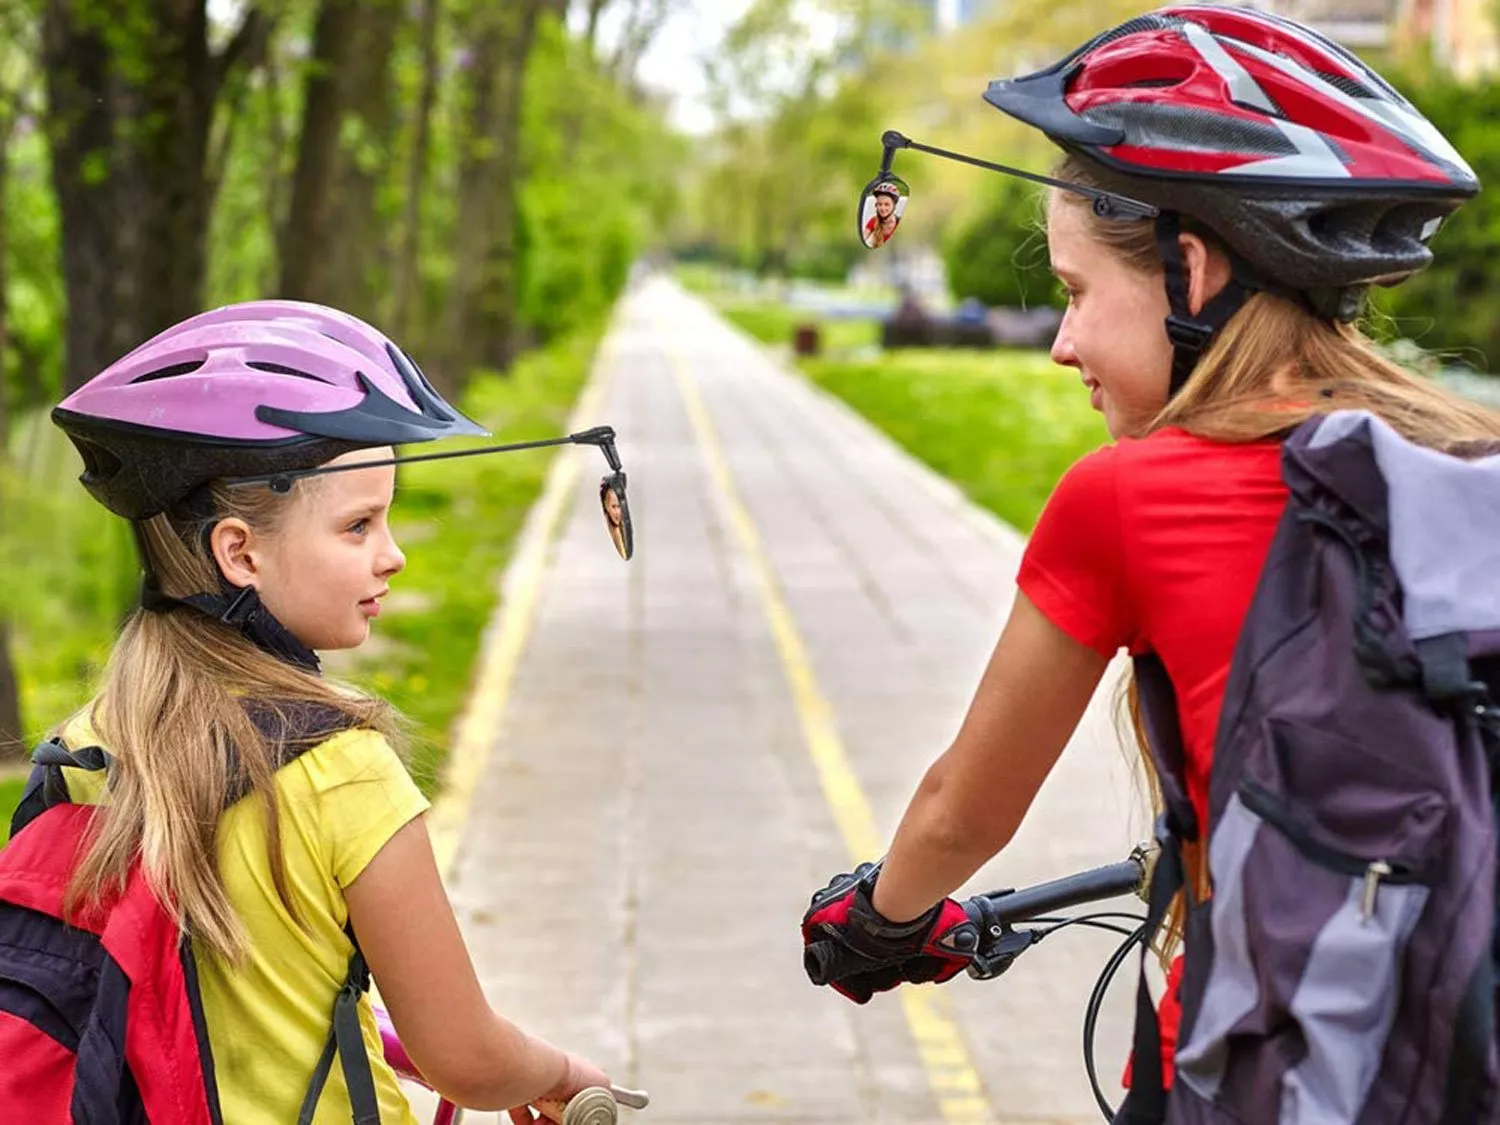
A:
(685, 736)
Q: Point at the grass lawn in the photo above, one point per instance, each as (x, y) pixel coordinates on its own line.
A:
(1002, 425)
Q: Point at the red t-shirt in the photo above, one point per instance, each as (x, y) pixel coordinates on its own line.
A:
(1157, 546)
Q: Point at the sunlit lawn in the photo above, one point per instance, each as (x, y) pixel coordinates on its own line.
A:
(1003, 425)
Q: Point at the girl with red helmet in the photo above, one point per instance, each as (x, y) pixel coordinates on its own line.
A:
(266, 805)
(1232, 184)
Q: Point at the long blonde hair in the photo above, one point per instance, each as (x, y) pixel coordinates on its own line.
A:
(173, 712)
(1271, 367)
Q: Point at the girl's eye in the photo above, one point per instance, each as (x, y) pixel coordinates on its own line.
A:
(359, 527)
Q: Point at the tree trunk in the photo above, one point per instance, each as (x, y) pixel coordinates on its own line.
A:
(12, 748)
(482, 304)
(130, 102)
(303, 262)
(348, 123)
(406, 295)
(357, 256)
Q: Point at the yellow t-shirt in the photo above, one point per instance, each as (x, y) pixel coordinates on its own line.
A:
(268, 1019)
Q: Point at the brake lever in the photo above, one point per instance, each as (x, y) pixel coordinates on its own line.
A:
(997, 952)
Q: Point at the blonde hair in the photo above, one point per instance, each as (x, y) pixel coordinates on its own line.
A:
(174, 711)
(1271, 367)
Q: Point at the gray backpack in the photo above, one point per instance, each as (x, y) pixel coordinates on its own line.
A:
(1343, 969)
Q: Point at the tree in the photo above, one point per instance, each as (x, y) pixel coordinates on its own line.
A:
(131, 91)
(482, 298)
(329, 247)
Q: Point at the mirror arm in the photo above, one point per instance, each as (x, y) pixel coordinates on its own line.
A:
(1107, 204)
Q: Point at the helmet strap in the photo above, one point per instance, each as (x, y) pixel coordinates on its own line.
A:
(1192, 333)
(242, 610)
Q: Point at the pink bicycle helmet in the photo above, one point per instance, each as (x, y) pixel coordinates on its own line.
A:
(258, 387)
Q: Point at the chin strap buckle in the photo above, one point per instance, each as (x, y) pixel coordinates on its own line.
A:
(1186, 333)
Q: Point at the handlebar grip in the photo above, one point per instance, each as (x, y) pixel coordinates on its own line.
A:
(828, 961)
(1060, 894)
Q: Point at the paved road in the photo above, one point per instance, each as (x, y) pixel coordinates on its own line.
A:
(653, 815)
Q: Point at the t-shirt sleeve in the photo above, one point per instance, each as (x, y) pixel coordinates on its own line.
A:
(1073, 569)
(364, 797)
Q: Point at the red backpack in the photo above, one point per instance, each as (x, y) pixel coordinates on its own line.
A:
(101, 1021)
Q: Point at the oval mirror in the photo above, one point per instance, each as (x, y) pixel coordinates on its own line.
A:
(881, 208)
(617, 514)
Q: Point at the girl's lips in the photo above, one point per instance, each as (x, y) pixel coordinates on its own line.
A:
(371, 607)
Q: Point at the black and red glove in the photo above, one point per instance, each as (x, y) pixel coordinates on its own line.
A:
(849, 946)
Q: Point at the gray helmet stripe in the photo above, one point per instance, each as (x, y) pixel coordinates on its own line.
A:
(1314, 158)
(1412, 127)
(1242, 87)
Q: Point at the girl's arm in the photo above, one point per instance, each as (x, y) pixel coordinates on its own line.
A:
(972, 800)
(410, 938)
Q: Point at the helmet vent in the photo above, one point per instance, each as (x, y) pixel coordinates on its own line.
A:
(170, 371)
(283, 369)
(1347, 85)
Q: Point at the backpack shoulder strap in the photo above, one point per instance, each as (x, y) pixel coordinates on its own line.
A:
(346, 1040)
(46, 785)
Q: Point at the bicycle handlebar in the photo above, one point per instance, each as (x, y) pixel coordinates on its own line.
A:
(1110, 881)
(828, 961)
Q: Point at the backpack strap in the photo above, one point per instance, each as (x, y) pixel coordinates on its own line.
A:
(46, 785)
(345, 1039)
(1146, 1102)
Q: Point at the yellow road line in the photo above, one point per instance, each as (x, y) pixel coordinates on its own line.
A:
(950, 1072)
(505, 640)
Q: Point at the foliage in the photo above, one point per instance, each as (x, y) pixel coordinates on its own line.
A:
(596, 189)
(591, 198)
(1450, 307)
(998, 254)
(10, 797)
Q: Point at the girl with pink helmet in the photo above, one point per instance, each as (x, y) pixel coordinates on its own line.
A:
(250, 447)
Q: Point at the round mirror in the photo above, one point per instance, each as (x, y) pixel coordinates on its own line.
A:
(881, 208)
(617, 514)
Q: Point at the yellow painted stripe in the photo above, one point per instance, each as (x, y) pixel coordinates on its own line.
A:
(950, 1071)
(505, 641)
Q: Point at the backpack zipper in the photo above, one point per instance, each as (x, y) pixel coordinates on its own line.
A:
(1374, 871)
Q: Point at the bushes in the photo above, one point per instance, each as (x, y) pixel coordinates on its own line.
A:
(1450, 307)
(999, 255)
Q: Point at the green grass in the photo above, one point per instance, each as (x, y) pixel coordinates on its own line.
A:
(775, 324)
(10, 797)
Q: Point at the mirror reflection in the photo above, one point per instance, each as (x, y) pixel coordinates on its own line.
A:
(881, 208)
(617, 514)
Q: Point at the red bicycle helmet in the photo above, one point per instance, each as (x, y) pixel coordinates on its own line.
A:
(1308, 163)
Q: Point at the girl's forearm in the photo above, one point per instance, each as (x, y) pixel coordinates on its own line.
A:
(938, 846)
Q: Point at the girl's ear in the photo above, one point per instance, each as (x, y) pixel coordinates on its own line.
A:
(1207, 269)
(230, 542)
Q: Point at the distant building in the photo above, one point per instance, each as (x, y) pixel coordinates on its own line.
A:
(1461, 34)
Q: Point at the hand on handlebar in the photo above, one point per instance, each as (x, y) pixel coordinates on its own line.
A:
(849, 946)
(579, 1075)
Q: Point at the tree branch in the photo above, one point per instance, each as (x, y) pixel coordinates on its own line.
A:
(248, 44)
